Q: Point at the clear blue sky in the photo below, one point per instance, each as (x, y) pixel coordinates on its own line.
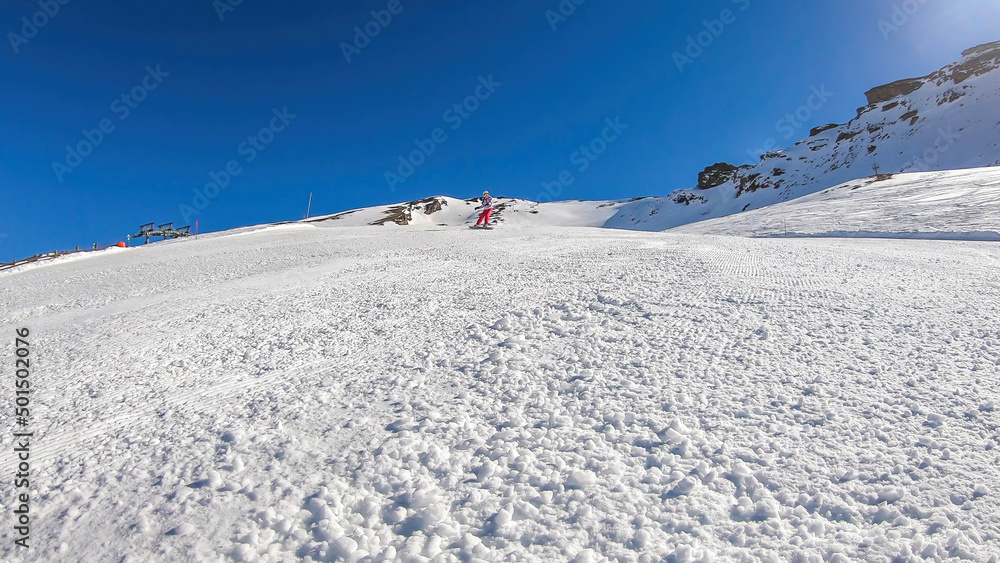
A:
(225, 77)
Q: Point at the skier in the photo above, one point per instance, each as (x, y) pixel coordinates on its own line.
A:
(487, 208)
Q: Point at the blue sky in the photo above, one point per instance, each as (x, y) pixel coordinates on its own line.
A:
(184, 90)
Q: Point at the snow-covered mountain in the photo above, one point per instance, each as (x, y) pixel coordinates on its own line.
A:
(946, 120)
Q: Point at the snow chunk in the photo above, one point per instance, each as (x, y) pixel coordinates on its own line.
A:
(890, 494)
(581, 479)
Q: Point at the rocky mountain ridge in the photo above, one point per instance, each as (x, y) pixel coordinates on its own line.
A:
(943, 121)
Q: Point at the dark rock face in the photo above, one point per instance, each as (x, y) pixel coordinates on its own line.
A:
(403, 214)
(716, 175)
(399, 215)
(817, 130)
(949, 97)
(685, 197)
(847, 135)
(888, 92)
(984, 48)
(749, 184)
(434, 206)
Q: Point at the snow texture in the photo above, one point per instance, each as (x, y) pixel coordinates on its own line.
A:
(314, 393)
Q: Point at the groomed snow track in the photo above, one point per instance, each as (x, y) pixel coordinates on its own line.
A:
(558, 394)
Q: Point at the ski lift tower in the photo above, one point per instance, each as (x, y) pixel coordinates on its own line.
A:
(145, 231)
(165, 231)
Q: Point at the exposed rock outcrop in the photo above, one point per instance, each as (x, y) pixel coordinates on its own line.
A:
(716, 175)
(434, 206)
(817, 130)
(882, 94)
(403, 214)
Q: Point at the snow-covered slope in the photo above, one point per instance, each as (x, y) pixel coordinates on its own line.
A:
(957, 205)
(449, 211)
(299, 393)
(947, 120)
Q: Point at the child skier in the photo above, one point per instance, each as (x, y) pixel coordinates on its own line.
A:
(487, 208)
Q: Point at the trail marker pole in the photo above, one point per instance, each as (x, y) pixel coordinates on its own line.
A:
(309, 209)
